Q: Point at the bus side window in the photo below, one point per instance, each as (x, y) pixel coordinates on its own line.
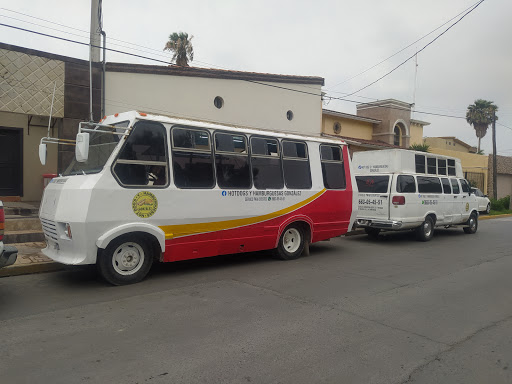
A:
(464, 185)
(232, 161)
(142, 160)
(455, 186)
(297, 173)
(333, 169)
(192, 158)
(447, 189)
(420, 163)
(266, 163)
(451, 167)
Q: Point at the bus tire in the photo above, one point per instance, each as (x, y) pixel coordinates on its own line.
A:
(425, 231)
(126, 260)
(472, 224)
(291, 243)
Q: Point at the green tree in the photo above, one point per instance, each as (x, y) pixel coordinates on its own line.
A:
(180, 44)
(480, 115)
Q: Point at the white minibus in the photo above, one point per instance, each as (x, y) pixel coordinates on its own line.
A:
(149, 187)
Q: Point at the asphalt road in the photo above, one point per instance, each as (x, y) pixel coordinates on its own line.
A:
(355, 311)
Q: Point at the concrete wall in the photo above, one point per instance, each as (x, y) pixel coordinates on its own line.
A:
(245, 103)
(32, 169)
(349, 127)
(504, 185)
(470, 163)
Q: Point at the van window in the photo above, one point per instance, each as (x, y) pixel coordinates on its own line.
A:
(405, 184)
(464, 185)
(429, 185)
(192, 158)
(232, 161)
(451, 167)
(420, 163)
(333, 169)
(446, 185)
(441, 166)
(372, 184)
(455, 186)
(266, 163)
(431, 165)
(143, 159)
(297, 173)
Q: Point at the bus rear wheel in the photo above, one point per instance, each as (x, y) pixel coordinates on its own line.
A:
(126, 260)
(291, 243)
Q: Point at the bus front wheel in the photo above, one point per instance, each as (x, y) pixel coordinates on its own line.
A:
(126, 260)
(291, 243)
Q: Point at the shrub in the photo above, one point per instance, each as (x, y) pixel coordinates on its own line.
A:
(500, 204)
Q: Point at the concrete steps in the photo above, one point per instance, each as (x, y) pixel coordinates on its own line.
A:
(22, 229)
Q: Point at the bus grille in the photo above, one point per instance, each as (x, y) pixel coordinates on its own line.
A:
(49, 229)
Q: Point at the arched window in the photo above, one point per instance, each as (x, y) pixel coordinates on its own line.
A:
(397, 135)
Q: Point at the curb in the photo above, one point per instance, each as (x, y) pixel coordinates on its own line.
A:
(488, 217)
(16, 270)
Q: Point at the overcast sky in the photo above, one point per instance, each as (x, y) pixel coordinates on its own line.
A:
(334, 39)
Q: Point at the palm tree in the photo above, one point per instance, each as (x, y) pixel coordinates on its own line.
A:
(181, 47)
(480, 115)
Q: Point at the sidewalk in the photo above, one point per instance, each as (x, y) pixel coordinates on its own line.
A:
(31, 260)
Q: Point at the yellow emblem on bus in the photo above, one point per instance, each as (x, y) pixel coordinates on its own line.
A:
(144, 204)
(467, 207)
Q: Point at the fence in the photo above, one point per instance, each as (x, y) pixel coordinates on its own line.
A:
(476, 179)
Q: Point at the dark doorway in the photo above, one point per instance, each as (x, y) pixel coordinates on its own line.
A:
(11, 162)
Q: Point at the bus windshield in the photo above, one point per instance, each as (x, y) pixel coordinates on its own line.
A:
(101, 145)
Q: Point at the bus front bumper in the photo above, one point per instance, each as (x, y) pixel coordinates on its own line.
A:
(381, 224)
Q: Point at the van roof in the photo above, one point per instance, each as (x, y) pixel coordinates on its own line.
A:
(168, 119)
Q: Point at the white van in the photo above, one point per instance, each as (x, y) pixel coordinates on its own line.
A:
(402, 189)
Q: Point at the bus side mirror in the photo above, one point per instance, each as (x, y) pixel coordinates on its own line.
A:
(82, 147)
(42, 153)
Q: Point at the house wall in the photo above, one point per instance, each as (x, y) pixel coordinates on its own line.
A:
(245, 103)
(504, 178)
(470, 163)
(448, 144)
(416, 134)
(32, 169)
(349, 127)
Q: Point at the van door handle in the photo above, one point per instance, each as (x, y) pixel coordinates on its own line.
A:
(454, 197)
(384, 196)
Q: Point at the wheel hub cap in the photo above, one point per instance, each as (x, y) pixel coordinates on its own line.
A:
(128, 258)
(291, 240)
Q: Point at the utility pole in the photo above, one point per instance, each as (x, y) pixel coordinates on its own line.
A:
(94, 47)
(494, 161)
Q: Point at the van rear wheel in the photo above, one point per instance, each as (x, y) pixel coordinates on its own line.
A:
(472, 224)
(126, 260)
(425, 231)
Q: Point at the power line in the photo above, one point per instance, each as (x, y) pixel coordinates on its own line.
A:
(403, 49)
(432, 41)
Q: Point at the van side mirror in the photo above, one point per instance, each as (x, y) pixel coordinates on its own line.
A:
(82, 147)
(42, 153)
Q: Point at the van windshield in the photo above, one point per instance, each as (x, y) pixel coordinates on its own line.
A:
(372, 184)
(101, 146)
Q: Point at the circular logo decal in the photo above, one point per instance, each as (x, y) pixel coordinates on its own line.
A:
(144, 204)
(467, 207)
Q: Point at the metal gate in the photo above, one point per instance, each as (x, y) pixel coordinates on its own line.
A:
(476, 179)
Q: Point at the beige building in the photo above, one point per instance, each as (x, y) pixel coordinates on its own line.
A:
(377, 125)
(450, 143)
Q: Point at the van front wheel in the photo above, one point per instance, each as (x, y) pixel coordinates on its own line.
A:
(425, 231)
(126, 260)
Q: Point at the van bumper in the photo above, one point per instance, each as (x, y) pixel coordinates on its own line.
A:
(8, 256)
(381, 224)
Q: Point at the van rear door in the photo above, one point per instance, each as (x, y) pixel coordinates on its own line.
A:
(373, 198)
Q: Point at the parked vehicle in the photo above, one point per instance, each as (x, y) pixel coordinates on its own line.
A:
(401, 189)
(484, 204)
(8, 254)
(154, 187)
